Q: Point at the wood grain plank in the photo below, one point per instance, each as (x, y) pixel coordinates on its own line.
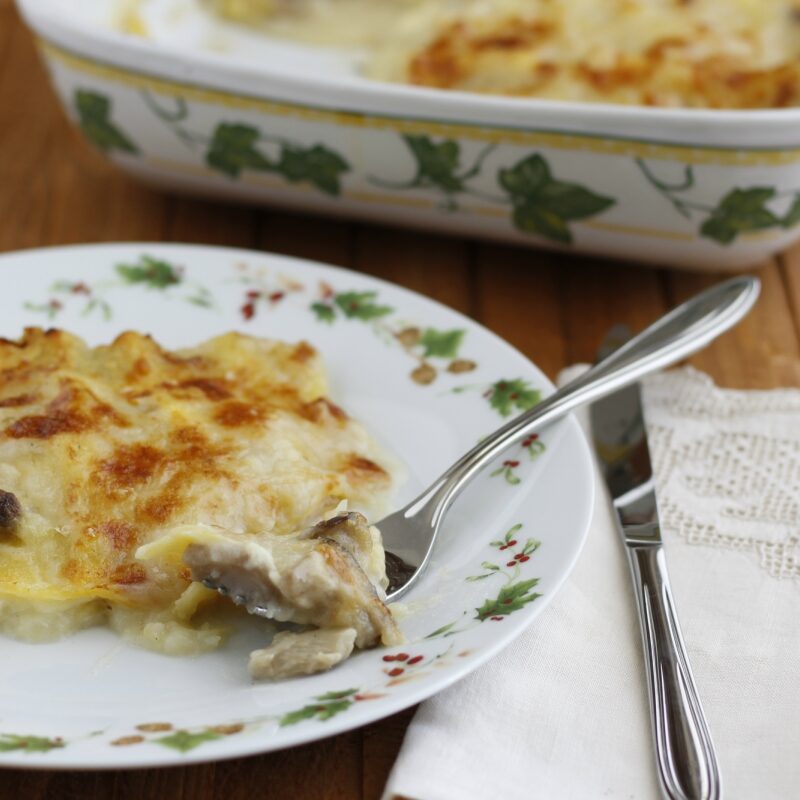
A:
(24, 124)
(56, 188)
(518, 296)
(762, 351)
(597, 295)
(315, 238)
(789, 266)
(381, 744)
(435, 266)
(197, 221)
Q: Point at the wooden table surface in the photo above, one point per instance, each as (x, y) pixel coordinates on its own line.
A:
(55, 190)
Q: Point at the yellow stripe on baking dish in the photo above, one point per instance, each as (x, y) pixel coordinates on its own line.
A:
(687, 154)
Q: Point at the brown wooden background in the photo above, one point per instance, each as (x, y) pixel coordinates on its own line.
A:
(555, 308)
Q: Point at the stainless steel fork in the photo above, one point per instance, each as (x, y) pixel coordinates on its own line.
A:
(409, 535)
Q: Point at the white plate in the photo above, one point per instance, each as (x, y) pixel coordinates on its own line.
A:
(91, 701)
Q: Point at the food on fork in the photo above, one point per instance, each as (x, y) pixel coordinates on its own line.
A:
(130, 473)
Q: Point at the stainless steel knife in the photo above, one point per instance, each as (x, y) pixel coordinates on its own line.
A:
(687, 764)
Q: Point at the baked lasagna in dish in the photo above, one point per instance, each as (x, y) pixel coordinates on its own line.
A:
(682, 53)
(129, 474)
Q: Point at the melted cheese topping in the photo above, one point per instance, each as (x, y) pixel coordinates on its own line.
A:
(104, 450)
(691, 53)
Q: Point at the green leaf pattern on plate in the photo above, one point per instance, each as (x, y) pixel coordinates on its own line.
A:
(30, 744)
(147, 272)
(184, 741)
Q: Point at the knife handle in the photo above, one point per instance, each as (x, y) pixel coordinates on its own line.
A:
(687, 765)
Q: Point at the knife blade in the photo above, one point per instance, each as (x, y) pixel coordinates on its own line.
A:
(685, 757)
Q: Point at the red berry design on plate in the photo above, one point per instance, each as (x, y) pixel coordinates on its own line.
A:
(401, 657)
(523, 559)
(276, 296)
(415, 660)
(511, 563)
(248, 310)
(393, 673)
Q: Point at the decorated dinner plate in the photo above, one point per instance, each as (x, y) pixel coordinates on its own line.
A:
(426, 382)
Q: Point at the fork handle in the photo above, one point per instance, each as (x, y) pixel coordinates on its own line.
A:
(676, 335)
(687, 766)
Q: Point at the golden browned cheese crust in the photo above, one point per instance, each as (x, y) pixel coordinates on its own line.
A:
(105, 449)
(677, 53)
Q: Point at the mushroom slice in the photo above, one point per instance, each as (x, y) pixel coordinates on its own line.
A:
(307, 578)
(292, 654)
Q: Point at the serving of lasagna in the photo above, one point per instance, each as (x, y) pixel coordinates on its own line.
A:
(682, 53)
(130, 474)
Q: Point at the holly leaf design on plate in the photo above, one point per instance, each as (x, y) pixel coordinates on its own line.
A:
(94, 111)
(233, 149)
(324, 312)
(741, 210)
(512, 597)
(445, 630)
(151, 271)
(505, 396)
(32, 744)
(337, 695)
(361, 305)
(329, 705)
(184, 741)
(544, 205)
(441, 344)
(318, 165)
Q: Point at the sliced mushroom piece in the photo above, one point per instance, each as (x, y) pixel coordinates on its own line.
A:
(291, 654)
(309, 581)
(352, 531)
(10, 509)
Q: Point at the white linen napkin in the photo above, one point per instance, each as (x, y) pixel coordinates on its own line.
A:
(562, 712)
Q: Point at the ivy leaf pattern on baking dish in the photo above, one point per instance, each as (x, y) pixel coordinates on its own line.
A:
(543, 205)
(318, 165)
(741, 210)
(439, 166)
(94, 112)
(233, 149)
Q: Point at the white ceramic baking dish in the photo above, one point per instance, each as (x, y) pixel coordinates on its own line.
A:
(214, 109)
